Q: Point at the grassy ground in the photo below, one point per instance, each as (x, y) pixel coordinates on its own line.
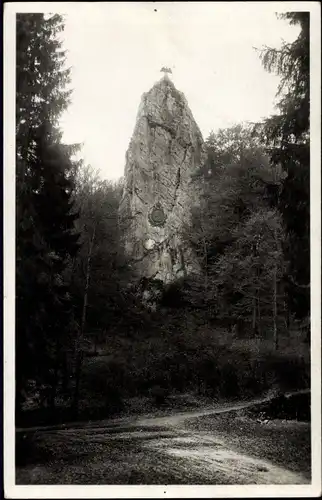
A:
(81, 457)
(285, 443)
(227, 448)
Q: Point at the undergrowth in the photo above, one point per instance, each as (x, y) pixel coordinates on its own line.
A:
(175, 356)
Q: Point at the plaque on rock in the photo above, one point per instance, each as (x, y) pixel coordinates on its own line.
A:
(157, 216)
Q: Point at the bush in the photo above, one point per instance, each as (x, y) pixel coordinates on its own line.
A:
(179, 353)
(295, 407)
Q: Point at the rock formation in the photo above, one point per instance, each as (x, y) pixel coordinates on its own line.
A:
(165, 149)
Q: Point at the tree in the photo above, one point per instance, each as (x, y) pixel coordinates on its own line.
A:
(232, 231)
(46, 237)
(248, 275)
(41, 79)
(288, 141)
(240, 181)
(98, 269)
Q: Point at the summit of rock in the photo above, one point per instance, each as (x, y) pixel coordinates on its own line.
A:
(165, 149)
(165, 105)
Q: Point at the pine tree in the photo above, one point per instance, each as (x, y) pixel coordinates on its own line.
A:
(46, 236)
(287, 137)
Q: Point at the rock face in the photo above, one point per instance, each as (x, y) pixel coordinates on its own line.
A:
(165, 149)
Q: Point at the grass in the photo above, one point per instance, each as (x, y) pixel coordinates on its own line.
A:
(81, 458)
(120, 453)
(287, 444)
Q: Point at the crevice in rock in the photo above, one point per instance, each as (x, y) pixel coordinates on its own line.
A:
(154, 124)
(136, 191)
(169, 151)
(177, 184)
(178, 180)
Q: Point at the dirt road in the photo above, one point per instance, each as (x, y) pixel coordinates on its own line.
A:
(170, 449)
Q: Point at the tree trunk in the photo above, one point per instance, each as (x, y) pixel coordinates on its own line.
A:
(275, 299)
(53, 391)
(275, 309)
(255, 299)
(79, 349)
(285, 315)
(95, 344)
(288, 317)
(254, 321)
(65, 378)
(206, 264)
(78, 371)
(259, 328)
(206, 280)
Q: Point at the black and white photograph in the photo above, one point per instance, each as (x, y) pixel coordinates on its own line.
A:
(162, 248)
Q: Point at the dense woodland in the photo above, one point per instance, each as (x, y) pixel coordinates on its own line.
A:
(85, 344)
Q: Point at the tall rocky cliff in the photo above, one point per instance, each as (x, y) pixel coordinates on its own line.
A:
(165, 149)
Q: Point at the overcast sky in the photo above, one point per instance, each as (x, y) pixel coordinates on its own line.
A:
(116, 52)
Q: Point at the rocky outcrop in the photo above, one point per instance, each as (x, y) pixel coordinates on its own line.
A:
(165, 149)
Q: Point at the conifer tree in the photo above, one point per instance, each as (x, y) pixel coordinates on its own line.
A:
(46, 236)
(287, 136)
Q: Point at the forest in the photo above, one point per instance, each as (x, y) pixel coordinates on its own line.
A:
(86, 346)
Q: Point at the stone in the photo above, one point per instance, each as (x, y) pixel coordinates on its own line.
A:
(166, 148)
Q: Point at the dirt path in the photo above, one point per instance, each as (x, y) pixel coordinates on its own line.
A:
(168, 419)
(151, 450)
(177, 418)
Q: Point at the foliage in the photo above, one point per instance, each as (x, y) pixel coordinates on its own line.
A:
(97, 203)
(287, 137)
(237, 233)
(244, 275)
(180, 356)
(46, 236)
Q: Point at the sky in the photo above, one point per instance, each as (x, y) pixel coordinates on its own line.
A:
(116, 51)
